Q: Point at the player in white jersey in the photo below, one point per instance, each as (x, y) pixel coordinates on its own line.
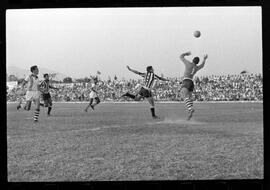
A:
(191, 68)
(145, 91)
(94, 99)
(33, 92)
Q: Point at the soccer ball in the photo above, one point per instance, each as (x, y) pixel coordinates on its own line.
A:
(197, 34)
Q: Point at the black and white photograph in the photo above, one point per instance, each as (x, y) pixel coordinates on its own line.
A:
(134, 94)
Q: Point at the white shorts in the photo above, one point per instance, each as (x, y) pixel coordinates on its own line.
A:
(32, 95)
(93, 94)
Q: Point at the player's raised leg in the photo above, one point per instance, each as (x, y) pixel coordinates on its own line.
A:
(132, 96)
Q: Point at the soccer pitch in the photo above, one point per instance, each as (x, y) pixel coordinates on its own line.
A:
(120, 141)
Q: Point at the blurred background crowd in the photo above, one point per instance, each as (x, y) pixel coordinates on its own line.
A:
(242, 87)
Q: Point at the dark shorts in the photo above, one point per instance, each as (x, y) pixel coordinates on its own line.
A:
(47, 99)
(187, 83)
(46, 96)
(97, 99)
(145, 92)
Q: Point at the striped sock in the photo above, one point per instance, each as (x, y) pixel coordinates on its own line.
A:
(36, 115)
(189, 104)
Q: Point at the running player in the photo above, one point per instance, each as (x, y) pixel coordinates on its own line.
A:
(46, 96)
(32, 93)
(191, 68)
(93, 94)
(145, 91)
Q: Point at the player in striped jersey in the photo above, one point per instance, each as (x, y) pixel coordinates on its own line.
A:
(32, 93)
(46, 96)
(191, 68)
(145, 91)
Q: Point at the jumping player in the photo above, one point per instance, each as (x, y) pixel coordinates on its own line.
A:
(145, 91)
(191, 68)
(32, 93)
(93, 94)
(46, 96)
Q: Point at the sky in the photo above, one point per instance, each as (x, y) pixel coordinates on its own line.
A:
(80, 42)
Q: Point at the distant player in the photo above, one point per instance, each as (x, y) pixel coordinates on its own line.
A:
(32, 93)
(94, 99)
(145, 91)
(46, 96)
(21, 93)
(191, 68)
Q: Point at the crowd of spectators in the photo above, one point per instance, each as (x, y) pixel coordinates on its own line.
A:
(246, 87)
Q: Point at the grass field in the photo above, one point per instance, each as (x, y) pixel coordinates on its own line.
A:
(122, 142)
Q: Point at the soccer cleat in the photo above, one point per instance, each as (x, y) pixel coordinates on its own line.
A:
(18, 107)
(85, 110)
(190, 112)
(48, 115)
(92, 107)
(155, 117)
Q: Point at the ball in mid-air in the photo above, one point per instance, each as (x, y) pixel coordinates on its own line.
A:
(197, 34)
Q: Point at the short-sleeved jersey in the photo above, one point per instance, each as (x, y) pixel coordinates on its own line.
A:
(149, 79)
(33, 83)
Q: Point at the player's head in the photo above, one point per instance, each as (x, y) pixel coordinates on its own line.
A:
(46, 76)
(196, 60)
(149, 69)
(34, 70)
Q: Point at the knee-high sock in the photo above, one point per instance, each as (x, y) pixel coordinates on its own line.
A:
(49, 109)
(153, 111)
(36, 115)
(189, 103)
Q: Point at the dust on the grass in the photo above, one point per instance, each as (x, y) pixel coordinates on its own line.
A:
(173, 120)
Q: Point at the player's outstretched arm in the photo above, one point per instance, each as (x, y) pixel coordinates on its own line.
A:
(161, 78)
(134, 71)
(203, 62)
(52, 87)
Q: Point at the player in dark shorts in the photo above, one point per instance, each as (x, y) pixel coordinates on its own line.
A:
(46, 96)
(191, 68)
(145, 91)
